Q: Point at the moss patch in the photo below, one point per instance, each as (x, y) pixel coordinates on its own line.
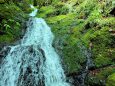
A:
(111, 80)
(86, 22)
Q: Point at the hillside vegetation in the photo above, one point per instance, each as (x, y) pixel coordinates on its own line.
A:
(75, 23)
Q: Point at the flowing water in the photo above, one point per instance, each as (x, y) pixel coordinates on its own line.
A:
(34, 61)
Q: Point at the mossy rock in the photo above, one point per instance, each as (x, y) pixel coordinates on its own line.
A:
(111, 80)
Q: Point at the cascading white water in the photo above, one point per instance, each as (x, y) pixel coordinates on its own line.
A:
(34, 62)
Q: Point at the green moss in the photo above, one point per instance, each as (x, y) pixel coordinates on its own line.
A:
(6, 39)
(111, 80)
(106, 21)
(87, 24)
(100, 76)
(87, 36)
(44, 11)
(73, 57)
(56, 18)
(105, 72)
(66, 24)
(61, 8)
(73, 22)
(102, 61)
(94, 81)
(2, 1)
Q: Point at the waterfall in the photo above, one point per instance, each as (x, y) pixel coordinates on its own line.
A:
(34, 61)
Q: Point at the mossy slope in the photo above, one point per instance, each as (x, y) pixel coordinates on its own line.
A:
(85, 22)
(75, 23)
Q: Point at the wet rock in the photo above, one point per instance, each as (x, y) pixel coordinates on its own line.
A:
(72, 78)
(4, 53)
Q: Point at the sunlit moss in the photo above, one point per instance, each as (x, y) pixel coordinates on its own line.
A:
(111, 80)
(44, 11)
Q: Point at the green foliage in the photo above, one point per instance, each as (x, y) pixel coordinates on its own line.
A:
(25, 6)
(44, 11)
(105, 72)
(41, 3)
(111, 80)
(85, 21)
(100, 76)
(102, 61)
(56, 18)
(9, 9)
(64, 26)
(11, 19)
(2, 1)
(94, 81)
(6, 38)
(61, 8)
(73, 57)
(73, 22)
